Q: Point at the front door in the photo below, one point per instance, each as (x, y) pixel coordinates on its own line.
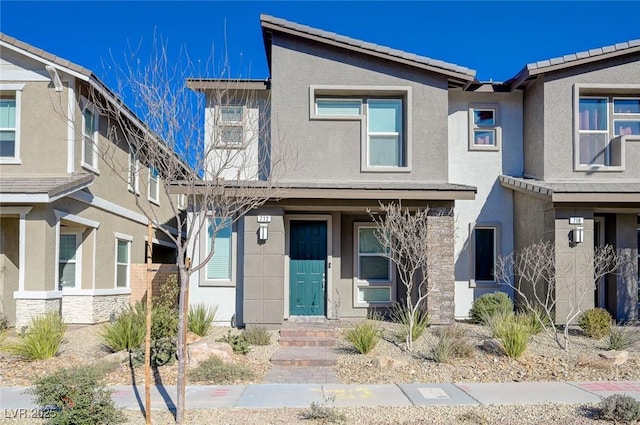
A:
(307, 267)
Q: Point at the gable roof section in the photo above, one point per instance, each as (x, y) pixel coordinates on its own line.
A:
(456, 73)
(531, 70)
(41, 189)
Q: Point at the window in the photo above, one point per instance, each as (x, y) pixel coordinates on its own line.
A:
(123, 249)
(134, 166)
(383, 111)
(69, 259)
(219, 266)
(372, 269)
(484, 129)
(606, 117)
(231, 126)
(90, 138)
(154, 185)
(10, 95)
(484, 249)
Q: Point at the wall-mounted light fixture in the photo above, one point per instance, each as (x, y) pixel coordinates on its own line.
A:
(55, 78)
(263, 232)
(577, 236)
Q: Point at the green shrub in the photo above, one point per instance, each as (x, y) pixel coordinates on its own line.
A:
(513, 335)
(216, 371)
(619, 408)
(128, 330)
(201, 318)
(624, 337)
(42, 339)
(4, 323)
(237, 342)
(401, 314)
(451, 343)
(324, 412)
(258, 335)
(536, 320)
(163, 352)
(489, 304)
(364, 336)
(595, 323)
(164, 310)
(78, 397)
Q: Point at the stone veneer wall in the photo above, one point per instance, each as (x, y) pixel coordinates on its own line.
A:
(28, 308)
(92, 309)
(440, 236)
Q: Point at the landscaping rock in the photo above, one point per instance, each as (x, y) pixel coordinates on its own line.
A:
(200, 351)
(492, 346)
(119, 357)
(615, 357)
(192, 337)
(389, 362)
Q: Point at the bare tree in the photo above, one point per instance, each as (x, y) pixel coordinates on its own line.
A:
(534, 274)
(214, 153)
(403, 235)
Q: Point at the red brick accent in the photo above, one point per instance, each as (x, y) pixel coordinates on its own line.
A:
(160, 272)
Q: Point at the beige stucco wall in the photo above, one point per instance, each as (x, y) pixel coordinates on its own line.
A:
(9, 260)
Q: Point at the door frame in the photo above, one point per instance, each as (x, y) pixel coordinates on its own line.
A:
(287, 241)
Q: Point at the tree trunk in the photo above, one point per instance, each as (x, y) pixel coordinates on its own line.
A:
(183, 309)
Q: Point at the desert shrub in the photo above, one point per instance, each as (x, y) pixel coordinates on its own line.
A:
(489, 304)
(237, 342)
(624, 337)
(200, 318)
(215, 370)
(364, 336)
(4, 323)
(513, 335)
(451, 343)
(78, 396)
(324, 412)
(619, 408)
(258, 335)
(164, 310)
(536, 320)
(42, 338)
(595, 323)
(127, 332)
(401, 314)
(163, 352)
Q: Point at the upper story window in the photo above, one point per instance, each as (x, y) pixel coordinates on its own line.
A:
(484, 129)
(153, 192)
(231, 127)
(123, 260)
(383, 113)
(90, 138)
(10, 96)
(606, 117)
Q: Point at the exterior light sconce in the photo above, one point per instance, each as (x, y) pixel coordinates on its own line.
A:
(263, 232)
(578, 235)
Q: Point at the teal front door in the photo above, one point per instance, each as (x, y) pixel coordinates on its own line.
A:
(307, 267)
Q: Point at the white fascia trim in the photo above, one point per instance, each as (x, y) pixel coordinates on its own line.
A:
(161, 243)
(15, 210)
(76, 219)
(37, 295)
(12, 87)
(23, 198)
(71, 126)
(116, 209)
(123, 237)
(72, 292)
(42, 60)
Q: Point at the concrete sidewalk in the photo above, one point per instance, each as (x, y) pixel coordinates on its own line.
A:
(302, 395)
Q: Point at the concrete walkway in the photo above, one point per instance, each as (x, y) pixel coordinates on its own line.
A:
(302, 395)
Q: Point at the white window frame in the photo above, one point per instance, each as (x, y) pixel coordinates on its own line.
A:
(153, 197)
(121, 237)
(221, 123)
(181, 200)
(495, 128)
(17, 89)
(337, 92)
(359, 115)
(369, 283)
(398, 134)
(77, 232)
(133, 180)
(607, 132)
(93, 137)
(204, 251)
(497, 249)
(617, 144)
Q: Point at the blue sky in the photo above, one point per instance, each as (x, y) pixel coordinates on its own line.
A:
(495, 38)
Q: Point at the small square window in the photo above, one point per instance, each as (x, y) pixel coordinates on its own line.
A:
(484, 127)
(626, 105)
(230, 128)
(484, 117)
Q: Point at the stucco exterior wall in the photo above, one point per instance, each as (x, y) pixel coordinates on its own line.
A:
(533, 107)
(330, 150)
(559, 117)
(9, 263)
(493, 204)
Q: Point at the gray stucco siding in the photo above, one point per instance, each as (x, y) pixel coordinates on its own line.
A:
(330, 150)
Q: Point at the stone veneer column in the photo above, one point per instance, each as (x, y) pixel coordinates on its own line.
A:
(440, 302)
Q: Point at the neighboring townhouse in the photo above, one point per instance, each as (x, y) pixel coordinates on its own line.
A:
(514, 162)
(580, 186)
(70, 230)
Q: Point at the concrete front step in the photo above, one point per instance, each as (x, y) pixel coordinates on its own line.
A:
(306, 341)
(304, 356)
(307, 333)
